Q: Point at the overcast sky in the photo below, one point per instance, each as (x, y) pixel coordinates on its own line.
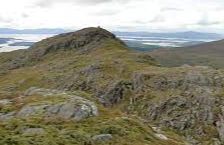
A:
(124, 15)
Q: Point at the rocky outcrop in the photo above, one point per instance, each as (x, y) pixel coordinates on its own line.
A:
(5, 101)
(75, 109)
(43, 92)
(220, 124)
(85, 79)
(181, 78)
(71, 108)
(186, 99)
(7, 116)
(195, 116)
(102, 138)
(116, 93)
(12, 60)
(190, 102)
(84, 40)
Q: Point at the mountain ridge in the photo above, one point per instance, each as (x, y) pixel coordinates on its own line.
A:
(33, 31)
(209, 53)
(104, 93)
(184, 34)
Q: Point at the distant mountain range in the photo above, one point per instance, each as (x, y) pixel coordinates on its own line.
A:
(185, 35)
(33, 31)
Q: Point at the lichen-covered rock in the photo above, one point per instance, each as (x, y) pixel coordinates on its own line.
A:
(5, 101)
(71, 108)
(76, 109)
(42, 92)
(102, 138)
(220, 124)
(116, 92)
(184, 79)
(189, 101)
(7, 116)
(161, 136)
(31, 110)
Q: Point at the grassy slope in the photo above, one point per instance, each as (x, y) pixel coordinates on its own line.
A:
(117, 63)
(114, 62)
(126, 130)
(208, 54)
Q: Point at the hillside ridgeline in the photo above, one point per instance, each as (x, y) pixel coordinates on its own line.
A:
(87, 87)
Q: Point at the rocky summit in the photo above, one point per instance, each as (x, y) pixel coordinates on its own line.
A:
(87, 88)
(82, 40)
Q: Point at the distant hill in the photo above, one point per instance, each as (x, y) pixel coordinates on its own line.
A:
(211, 53)
(183, 35)
(32, 31)
(4, 40)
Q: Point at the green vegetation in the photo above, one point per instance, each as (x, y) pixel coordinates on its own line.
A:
(207, 54)
(124, 131)
(88, 88)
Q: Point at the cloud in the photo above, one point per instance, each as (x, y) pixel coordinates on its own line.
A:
(205, 21)
(170, 9)
(158, 19)
(139, 22)
(208, 23)
(47, 3)
(120, 14)
(5, 20)
(24, 15)
(106, 12)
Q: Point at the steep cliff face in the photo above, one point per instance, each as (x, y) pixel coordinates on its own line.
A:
(115, 95)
